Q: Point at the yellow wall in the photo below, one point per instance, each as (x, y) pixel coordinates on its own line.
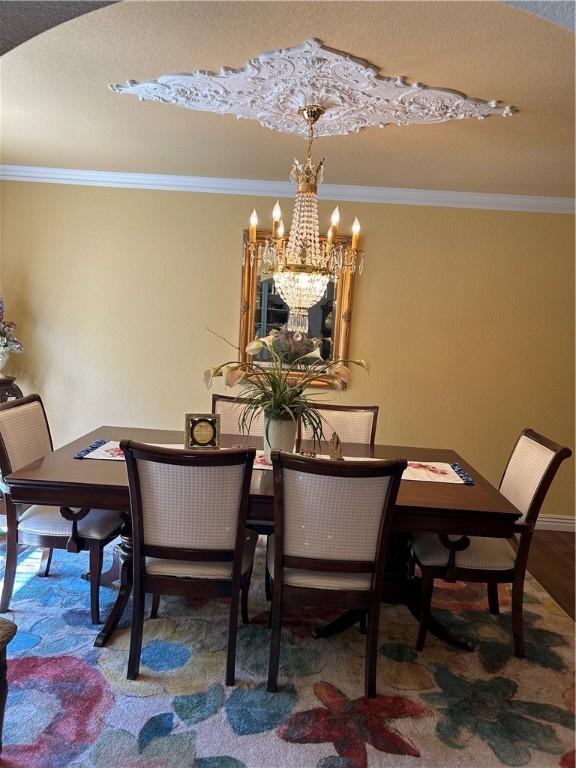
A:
(466, 315)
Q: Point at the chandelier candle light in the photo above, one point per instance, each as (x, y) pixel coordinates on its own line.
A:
(302, 264)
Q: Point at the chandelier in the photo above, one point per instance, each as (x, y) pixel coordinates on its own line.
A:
(303, 263)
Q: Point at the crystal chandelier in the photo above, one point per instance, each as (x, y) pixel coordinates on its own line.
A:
(303, 263)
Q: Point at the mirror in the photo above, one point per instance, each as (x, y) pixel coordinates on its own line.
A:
(262, 309)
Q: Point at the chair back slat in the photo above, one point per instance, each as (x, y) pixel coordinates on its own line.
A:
(190, 507)
(352, 425)
(230, 410)
(24, 432)
(336, 518)
(530, 471)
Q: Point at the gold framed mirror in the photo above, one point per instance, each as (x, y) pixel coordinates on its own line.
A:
(262, 308)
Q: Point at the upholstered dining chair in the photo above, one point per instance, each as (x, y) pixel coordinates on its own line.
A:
(525, 482)
(189, 531)
(230, 409)
(25, 438)
(352, 423)
(332, 522)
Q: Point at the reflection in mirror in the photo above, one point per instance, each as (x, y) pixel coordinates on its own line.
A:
(262, 309)
(271, 313)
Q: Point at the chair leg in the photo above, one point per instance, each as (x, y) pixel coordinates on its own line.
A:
(232, 632)
(45, 563)
(363, 617)
(371, 651)
(96, 556)
(274, 663)
(244, 590)
(3, 691)
(136, 632)
(426, 598)
(267, 579)
(155, 605)
(493, 599)
(9, 570)
(517, 615)
(268, 585)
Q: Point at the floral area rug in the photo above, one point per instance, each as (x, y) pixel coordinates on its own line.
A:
(70, 704)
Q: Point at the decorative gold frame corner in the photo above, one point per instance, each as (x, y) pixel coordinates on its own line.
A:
(343, 303)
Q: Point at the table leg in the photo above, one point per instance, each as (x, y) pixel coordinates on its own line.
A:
(112, 575)
(412, 599)
(340, 624)
(401, 587)
(123, 555)
(114, 572)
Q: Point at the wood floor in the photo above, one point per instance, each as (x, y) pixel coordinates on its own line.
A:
(551, 562)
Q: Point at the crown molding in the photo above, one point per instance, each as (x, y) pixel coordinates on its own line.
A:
(258, 188)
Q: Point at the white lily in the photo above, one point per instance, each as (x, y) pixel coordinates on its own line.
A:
(315, 354)
(363, 364)
(337, 385)
(232, 375)
(270, 339)
(209, 374)
(254, 347)
(342, 373)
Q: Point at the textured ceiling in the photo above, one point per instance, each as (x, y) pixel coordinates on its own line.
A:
(22, 19)
(562, 12)
(57, 110)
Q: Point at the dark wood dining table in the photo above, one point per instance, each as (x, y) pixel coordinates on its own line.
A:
(61, 480)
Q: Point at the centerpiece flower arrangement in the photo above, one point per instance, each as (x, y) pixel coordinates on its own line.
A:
(278, 388)
(8, 342)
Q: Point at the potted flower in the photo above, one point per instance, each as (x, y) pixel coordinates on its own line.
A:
(8, 342)
(274, 388)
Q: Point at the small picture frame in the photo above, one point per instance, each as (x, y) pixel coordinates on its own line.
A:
(202, 430)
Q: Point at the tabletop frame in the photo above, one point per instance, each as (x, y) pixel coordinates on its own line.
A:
(60, 480)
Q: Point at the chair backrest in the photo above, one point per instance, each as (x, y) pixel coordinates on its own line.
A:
(530, 471)
(333, 515)
(230, 410)
(188, 505)
(24, 433)
(352, 423)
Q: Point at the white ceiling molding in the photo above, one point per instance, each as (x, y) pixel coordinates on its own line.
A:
(273, 86)
(258, 188)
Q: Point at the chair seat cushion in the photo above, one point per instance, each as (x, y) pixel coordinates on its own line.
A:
(47, 521)
(319, 579)
(482, 554)
(158, 566)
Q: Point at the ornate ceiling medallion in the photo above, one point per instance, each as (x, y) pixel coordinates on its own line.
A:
(273, 86)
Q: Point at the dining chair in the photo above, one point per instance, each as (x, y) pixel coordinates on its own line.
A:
(528, 475)
(230, 410)
(332, 522)
(188, 512)
(24, 439)
(352, 423)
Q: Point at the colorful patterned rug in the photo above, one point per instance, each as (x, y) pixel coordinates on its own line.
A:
(70, 704)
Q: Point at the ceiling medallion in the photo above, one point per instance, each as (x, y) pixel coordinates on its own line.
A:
(273, 86)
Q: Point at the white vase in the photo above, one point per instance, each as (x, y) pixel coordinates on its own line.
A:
(279, 435)
(4, 355)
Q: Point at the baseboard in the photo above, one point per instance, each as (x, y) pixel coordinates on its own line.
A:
(556, 523)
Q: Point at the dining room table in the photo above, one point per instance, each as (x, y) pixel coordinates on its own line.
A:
(76, 485)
